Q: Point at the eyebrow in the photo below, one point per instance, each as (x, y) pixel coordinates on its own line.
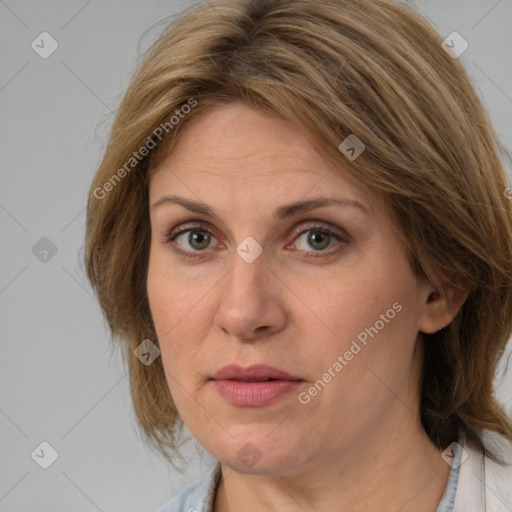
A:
(284, 211)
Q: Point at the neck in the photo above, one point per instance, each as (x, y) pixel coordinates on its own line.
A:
(398, 469)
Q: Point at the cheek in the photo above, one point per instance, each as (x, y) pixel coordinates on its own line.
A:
(379, 358)
(343, 305)
(370, 319)
(167, 310)
(169, 313)
(170, 298)
(179, 310)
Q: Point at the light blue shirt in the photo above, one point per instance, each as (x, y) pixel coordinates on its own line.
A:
(201, 496)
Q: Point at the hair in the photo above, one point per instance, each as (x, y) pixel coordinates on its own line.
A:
(375, 69)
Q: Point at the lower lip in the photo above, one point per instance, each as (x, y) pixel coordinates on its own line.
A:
(255, 394)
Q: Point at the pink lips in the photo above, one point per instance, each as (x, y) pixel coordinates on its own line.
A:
(251, 387)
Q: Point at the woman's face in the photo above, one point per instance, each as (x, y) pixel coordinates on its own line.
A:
(322, 292)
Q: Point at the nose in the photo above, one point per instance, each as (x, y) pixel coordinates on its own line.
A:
(251, 301)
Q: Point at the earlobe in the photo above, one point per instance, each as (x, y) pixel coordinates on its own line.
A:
(440, 309)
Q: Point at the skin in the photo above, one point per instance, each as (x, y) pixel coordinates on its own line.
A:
(358, 445)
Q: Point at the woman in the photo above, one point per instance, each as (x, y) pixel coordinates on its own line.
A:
(303, 211)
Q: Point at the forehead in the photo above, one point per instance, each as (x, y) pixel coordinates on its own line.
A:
(237, 131)
(246, 149)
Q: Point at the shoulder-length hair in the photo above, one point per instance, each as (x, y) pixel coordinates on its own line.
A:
(375, 69)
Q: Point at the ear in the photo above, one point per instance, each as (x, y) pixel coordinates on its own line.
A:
(439, 309)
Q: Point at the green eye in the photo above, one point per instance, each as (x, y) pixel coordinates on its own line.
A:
(198, 239)
(318, 240)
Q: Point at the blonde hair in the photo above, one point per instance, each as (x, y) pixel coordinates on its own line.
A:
(372, 68)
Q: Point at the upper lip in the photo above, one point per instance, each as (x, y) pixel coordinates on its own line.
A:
(254, 372)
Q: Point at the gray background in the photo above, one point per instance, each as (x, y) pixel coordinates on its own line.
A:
(61, 381)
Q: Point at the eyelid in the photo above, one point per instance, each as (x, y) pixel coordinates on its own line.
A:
(196, 224)
(322, 226)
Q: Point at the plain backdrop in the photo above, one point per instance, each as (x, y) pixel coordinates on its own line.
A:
(61, 382)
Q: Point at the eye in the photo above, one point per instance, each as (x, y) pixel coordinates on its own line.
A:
(319, 239)
(194, 239)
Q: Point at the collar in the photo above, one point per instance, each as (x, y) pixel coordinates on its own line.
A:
(484, 485)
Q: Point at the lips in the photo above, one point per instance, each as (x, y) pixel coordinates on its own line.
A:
(255, 386)
(255, 373)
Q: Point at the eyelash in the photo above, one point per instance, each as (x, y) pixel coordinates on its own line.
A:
(172, 234)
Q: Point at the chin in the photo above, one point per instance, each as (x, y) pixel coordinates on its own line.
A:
(258, 454)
